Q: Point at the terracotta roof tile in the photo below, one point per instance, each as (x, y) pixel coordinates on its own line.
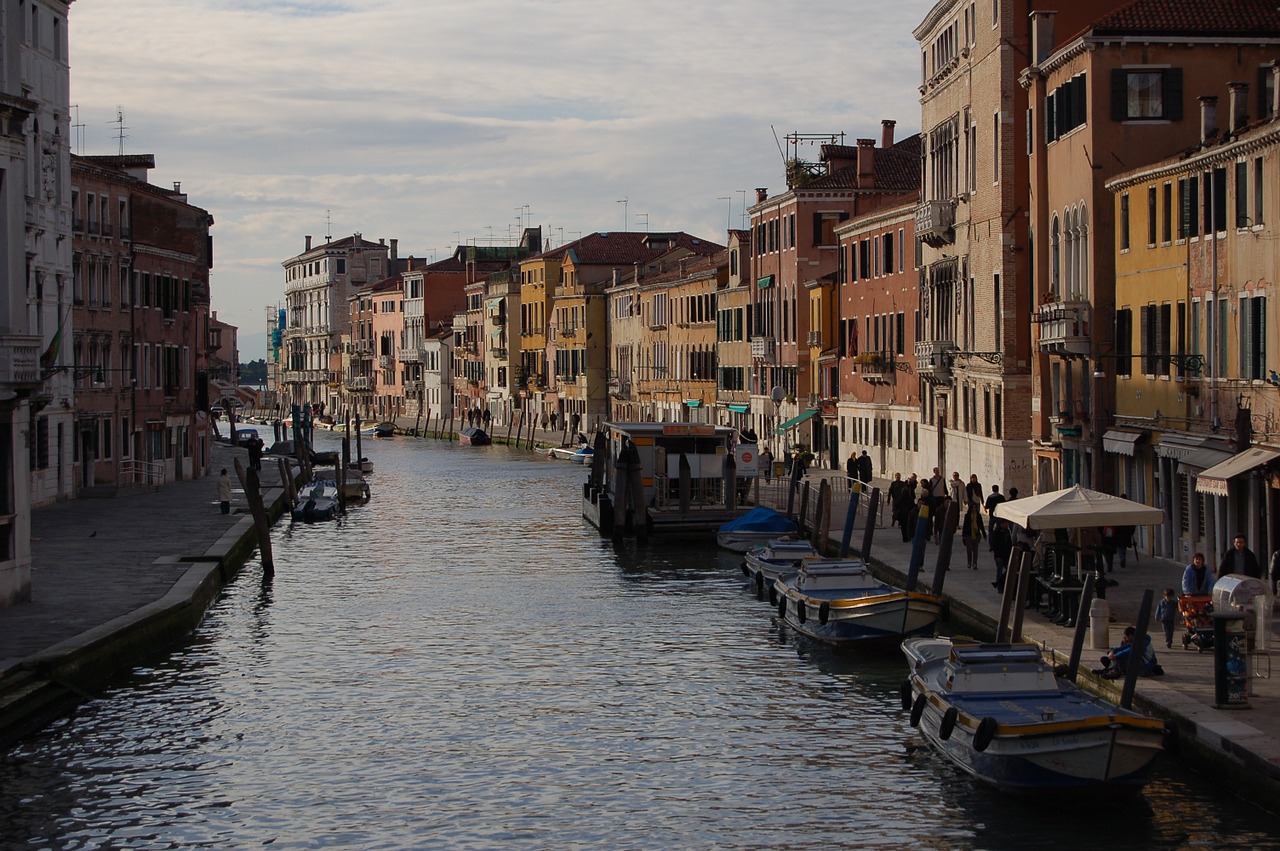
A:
(624, 248)
(1192, 17)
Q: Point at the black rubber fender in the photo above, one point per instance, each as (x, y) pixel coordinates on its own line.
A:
(773, 595)
(782, 607)
(986, 733)
(1172, 740)
(746, 571)
(917, 709)
(824, 613)
(948, 725)
(905, 690)
(802, 611)
(945, 613)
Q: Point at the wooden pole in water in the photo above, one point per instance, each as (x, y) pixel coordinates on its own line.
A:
(1010, 591)
(802, 521)
(1020, 601)
(821, 512)
(1082, 626)
(1134, 667)
(286, 481)
(359, 445)
(873, 506)
(923, 522)
(850, 515)
(730, 483)
(943, 564)
(253, 493)
(686, 485)
(344, 464)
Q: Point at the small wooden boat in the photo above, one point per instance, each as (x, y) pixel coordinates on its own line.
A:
(364, 465)
(758, 526)
(472, 436)
(384, 430)
(1000, 713)
(355, 488)
(839, 602)
(317, 501)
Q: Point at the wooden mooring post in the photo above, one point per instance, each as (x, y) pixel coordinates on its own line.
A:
(253, 493)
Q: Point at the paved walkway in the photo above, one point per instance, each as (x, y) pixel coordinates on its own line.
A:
(96, 559)
(1245, 742)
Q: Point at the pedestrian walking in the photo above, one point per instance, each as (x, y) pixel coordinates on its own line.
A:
(1001, 548)
(1167, 614)
(1239, 559)
(865, 467)
(972, 533)
(973, 490)
(955, 488)
(851, 466)
(766, 461)
(255, 453)
(224, 492)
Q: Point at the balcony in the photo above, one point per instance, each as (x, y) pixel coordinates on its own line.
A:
(497, 319)
(933, 361)
(498, 354)
(386, 361)
(359, 383)
(814, 339)
(875, 368)
(294, 376)
(1064, 328)
(763, 348)
(412, 388)
(19, 362)
(935, 222)
(409, 356)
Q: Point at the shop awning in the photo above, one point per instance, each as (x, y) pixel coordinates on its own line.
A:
(739, 409)
(1120, 442)
(1202, 459)
(764, 282)
(693, 403)
(795, 421)
(1214, 480)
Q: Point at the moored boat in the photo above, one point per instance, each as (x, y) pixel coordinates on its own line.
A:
(564, 453)
(764, 563)
(316, 501)
(839, 602)
(1000, 713)
(758, 526)
(472, 436)
(364, 465)
(384, 429)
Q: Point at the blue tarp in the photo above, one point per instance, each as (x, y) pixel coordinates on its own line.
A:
(760, 520)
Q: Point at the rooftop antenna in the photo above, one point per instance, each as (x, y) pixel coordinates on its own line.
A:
(77, 131)
(728, 210)
(120, 128)
(623, 202)
(743, 193)
(328, 226)
(646, 220)
(525, 216)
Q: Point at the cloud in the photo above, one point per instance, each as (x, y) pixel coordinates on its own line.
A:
(422, 120)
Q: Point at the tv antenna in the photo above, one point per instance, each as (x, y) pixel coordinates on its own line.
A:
(120, 128)
(77, 131)
(328, 226)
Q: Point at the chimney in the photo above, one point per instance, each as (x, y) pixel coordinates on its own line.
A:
(866, 163)
(308, 248)
(1239, 105)
(1041, 35)
(762, 194)
(395, 254)
(1208, 118)
(886, 133)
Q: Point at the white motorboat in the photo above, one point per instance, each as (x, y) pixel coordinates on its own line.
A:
(1000, 713)
(839, 602)
(764, 563)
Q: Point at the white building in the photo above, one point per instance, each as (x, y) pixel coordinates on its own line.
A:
(35, 277)
(318, 285)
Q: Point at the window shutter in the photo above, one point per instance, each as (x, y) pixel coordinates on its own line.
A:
(1172, 93)
(1079, 100)
(1119, 94)
(1050, 122)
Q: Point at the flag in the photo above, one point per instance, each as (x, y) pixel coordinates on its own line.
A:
(50, 356)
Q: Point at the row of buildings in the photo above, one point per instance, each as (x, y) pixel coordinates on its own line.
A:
(1062, 279)
(109, 352)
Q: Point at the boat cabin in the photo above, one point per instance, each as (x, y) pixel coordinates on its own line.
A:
(660, 447)
(999, 668)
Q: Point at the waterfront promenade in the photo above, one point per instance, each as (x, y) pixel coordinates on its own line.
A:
(104, 566)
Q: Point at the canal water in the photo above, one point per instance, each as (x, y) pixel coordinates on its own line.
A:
(462, 663)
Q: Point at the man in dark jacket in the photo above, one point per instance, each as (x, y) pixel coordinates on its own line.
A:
(1239, 559)
(864, 467)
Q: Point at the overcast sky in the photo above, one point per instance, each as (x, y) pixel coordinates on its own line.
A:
(437, 122)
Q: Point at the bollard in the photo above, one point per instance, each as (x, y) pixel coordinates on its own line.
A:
(1099, 625)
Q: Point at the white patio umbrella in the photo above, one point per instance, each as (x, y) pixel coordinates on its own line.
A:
(1077, 507)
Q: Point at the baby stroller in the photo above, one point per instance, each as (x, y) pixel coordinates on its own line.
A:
(1195, 609)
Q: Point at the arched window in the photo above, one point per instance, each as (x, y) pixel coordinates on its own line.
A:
(1082, 226)
(1055, 249)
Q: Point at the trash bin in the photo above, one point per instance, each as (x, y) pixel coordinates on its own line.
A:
(1230, 661)
(1099, 625)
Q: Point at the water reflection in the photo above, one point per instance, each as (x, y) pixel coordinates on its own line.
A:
(461, 663)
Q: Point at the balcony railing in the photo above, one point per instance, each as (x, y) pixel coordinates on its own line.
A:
(498, 354)
(1064, 327)
(815, 339)
(359, 383)
(935, 222)
(412, 388)
(19, 361)
(933, 360)
(875, 368)
(385, 361)
(409, 356)
(763, 348)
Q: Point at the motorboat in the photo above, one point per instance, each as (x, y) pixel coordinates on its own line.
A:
(839, 602)
(584, 454)
(1000, 713)
(354, 488)
(575, 454)
(757, 526)
(764, 563)
(317, 500)
(472, 436)
(384, 430)
(364, 465)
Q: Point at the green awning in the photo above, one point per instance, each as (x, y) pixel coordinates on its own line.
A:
(739, 409)
(795, 421)
(765, 282)
(693, 403)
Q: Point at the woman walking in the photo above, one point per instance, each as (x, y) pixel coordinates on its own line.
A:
(973, 533)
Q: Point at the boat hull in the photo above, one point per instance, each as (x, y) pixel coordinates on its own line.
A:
(886, 617)
(1021, 739)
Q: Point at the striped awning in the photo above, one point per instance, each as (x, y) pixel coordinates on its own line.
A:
(1214, 480)
(1121, 442)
